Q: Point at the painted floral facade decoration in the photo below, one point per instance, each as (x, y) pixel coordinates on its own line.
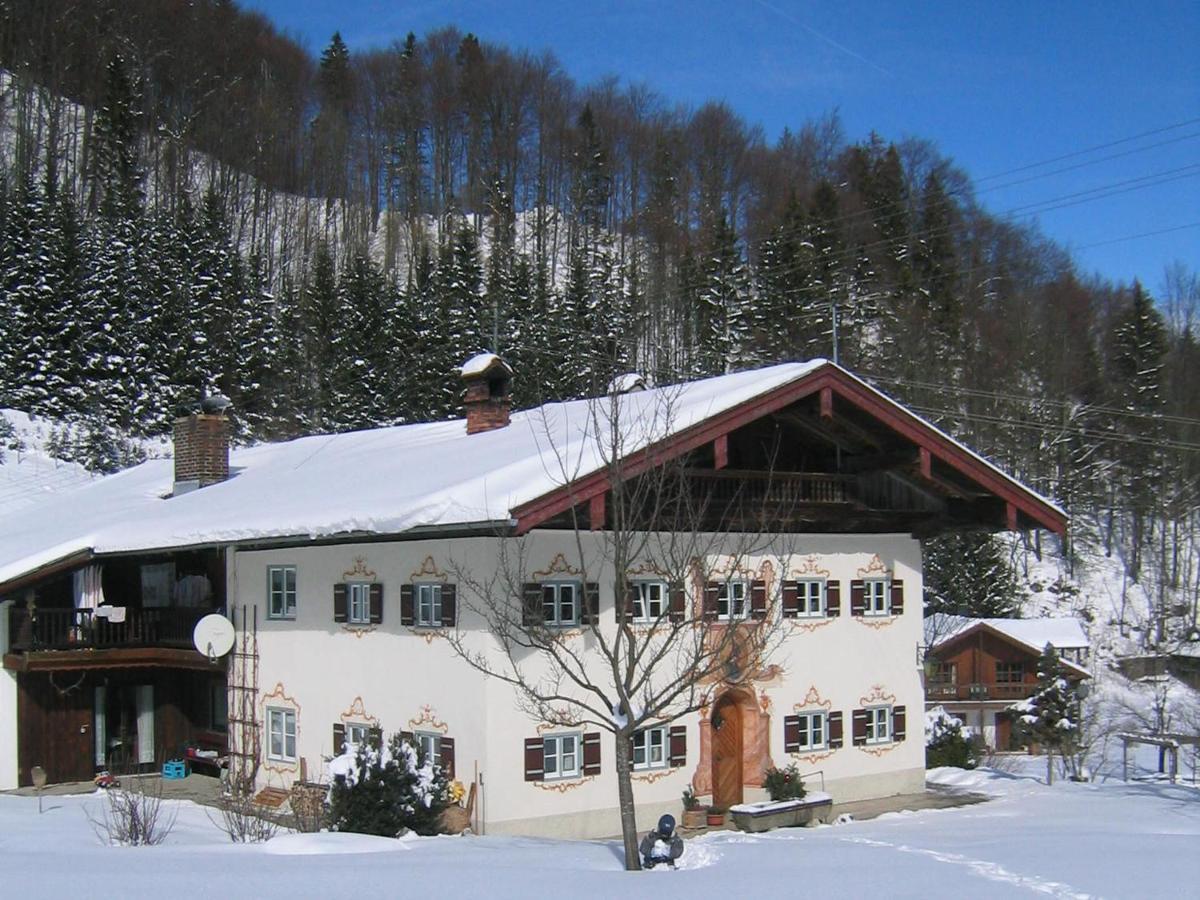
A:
(875, 569)
(278, 698)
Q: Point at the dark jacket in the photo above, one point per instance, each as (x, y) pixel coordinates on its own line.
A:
(655, 849)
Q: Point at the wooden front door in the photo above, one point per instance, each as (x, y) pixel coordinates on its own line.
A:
(1003, 731)
(54, 727)
(727, 753)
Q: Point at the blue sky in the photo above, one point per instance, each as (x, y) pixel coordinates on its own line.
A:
(996, 86)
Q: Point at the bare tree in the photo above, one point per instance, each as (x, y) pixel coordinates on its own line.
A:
(672, 536)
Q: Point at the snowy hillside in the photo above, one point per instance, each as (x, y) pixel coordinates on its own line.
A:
(28, 473)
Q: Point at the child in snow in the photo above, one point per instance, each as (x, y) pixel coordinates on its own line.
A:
(662, 845)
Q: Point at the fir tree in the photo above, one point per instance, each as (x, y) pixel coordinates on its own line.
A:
(1052, 715)
(116, 188)
(970, 575)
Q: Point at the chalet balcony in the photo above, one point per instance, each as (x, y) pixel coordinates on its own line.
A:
(944, 690)
(83, 629)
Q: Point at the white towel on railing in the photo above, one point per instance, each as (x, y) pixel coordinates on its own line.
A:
(116, 614)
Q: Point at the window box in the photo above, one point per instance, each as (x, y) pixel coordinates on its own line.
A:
(811, 809)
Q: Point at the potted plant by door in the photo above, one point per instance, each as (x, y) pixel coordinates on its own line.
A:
(693, 815)
(715, 816)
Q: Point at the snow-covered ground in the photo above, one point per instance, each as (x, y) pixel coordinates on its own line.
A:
(28, 473)
(1068, 841)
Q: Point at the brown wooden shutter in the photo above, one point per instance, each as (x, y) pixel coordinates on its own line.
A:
(591, 753)
(711, 590)
(897, 596)
(833, 599)
(631, 592)
(678, 603)
(791, 734)
(449, 605)
(407, 611)
(858, 727)
(375, 736)
(339, 738)
(858, 597)
(535, 759)
(898, 723)
(835, 730)
(758, 599)
(446, 746)
(376, 604)
(677, 738)
(591, 603)
(339, 602)
(790, 599)
(531, 603)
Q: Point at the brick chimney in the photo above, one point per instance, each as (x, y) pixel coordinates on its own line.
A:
(488, 381)
(202, 446)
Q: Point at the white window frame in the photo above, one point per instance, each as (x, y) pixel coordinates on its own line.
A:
(879, 725)
(808, 719)
(810, 598)
(644, 604)
(427, 605)
(286, 595)
(877, 596)
(557, 588)
(278, 720)
(725, 597)
(358, 602)
(552, 750)
(653, 738)
(356, 728)
(430, 743)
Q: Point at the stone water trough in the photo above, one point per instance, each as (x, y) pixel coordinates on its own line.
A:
(813, 807)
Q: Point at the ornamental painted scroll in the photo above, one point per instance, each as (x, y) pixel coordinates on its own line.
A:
(279, 698)
(558, 566)
(358, 713)
(875, 569)
(427, 720)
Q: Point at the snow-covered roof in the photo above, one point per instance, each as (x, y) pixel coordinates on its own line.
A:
(1061, 632)
(390, 480)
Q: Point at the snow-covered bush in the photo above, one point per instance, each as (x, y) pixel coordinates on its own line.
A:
(385, 789)
(946, 742)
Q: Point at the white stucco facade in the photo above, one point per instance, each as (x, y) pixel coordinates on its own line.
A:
(404, 678)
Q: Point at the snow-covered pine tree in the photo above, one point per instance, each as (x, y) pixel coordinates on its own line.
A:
(722, 309)
(363, 380)
(1052, 715)
(970, 575)
(320, 319)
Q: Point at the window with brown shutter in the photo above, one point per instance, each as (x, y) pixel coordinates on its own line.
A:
(678, 603)
(631, 598)
(858, 727)
(446, 748)
(791, 734)
(591, 753)
(339, 738)
(712, 593)
(407, 605)
(339, 602)
(897, 596)
(531, 603)
(376, 604)
(790, 599)
(534, 759)
(591, 603)
(758, 599)
(678, 741)
(375, 736)
(898, 722)
(833, 599)
(449, 605)
(835, 730)
(858, 597)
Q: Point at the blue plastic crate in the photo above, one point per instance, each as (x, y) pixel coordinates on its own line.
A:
(176, 768)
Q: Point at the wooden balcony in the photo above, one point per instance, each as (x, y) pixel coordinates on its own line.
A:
(82, 629)
(730, 487)
(944, 690)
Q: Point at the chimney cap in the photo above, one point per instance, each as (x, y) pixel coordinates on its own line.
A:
(628, 383)
(215, 403)
(481, 364)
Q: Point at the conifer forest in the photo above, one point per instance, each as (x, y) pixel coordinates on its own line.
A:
(190, 202)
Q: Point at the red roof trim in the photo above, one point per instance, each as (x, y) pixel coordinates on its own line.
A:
(827, 377)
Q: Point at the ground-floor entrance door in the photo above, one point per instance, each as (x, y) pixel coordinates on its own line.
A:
(727, 753)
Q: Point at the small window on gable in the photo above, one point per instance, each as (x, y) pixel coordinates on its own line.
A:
(649, 602)
(876, 597)
(281, 592)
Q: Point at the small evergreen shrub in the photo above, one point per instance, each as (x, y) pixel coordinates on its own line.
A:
(387, 789)
(945, 742)
(784, 784)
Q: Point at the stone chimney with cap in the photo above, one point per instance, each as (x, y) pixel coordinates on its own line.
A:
(202, 446)
(487, 399)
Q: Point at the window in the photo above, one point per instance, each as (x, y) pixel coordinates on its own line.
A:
(732, 600)
(1010, 672)
(281, 592)
(649, 601)
(357, 733)
(878, 724)
(943, 674)
(810, 597)
(875, 597)
(429, 744)
(429, 604)
(358, 603)
(560, 756)
(812, 733)
(650, 748)
(281, 734)
(560, 604)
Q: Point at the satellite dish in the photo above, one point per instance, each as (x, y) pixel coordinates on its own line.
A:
(213, 636)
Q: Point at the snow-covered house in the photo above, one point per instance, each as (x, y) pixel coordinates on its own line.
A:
(341, 560)
(977, 668)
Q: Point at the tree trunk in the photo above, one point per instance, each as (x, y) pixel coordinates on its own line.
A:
(1049, 766)
(623, 744)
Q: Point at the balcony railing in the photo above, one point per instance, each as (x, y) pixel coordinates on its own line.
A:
(81, 629)
(726, 486)
(945, 690)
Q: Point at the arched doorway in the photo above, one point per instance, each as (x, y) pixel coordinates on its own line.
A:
(727, 752)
